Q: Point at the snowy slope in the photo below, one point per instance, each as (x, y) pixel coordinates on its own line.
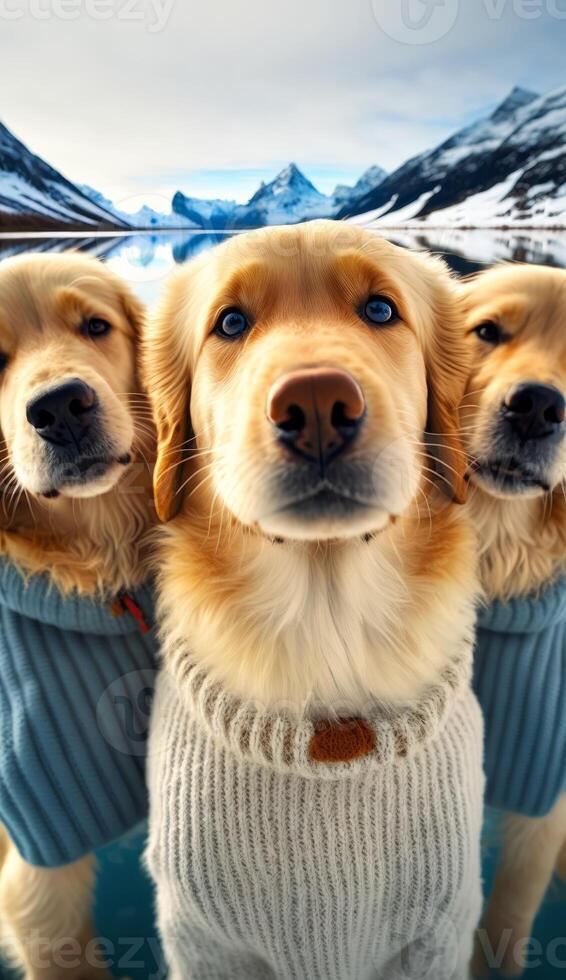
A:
(32, 192)
(145, 217)
(288, 198)
(509, 168)
(343, 195)
(202, 213)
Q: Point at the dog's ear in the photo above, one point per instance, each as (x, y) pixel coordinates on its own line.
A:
(133, 308)
(165, 375)
(447, 369)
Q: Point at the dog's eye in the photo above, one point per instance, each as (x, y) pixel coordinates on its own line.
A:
(231, 323)
(490, 333)
(379, 310)
(3, 362)
(96, 327)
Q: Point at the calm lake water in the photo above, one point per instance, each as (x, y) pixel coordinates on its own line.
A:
(146, 258)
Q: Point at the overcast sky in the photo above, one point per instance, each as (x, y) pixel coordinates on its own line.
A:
(211, 96)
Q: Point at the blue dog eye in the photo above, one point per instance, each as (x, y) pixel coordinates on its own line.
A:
(380, 310)
(232, 323)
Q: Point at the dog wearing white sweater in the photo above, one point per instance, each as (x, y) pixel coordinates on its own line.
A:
(315, 754)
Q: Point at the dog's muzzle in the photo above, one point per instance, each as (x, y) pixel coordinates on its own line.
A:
(526, 437)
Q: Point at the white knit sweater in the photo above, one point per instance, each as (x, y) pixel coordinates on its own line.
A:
(270, 865)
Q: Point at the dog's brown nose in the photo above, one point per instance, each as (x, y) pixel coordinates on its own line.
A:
(317, 411)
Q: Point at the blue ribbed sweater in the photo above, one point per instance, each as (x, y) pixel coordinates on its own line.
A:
(75, 685)
(520, 681)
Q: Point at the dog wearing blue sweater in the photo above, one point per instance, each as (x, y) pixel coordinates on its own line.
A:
(514, 430)
(77, 655)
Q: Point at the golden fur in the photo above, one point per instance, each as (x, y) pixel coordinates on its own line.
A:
(90, 538)
(523, 539)
(522, 547)
(327, 616)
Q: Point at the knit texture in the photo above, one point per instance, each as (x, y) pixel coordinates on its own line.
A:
(273, 863)
(520, 680)
(75, 685)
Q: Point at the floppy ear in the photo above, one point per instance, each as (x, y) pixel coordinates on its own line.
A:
(133, 308)
(447, 369)
(166, 380)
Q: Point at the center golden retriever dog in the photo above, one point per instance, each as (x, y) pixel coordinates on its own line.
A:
(514, 430)
(76, 503)
(315, 748)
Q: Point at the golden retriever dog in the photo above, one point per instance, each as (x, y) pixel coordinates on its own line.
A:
(76, 503)
(513, 427)
(315, 748)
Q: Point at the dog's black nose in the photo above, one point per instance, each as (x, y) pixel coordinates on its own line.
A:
(60, 415)
(534, 411)
(317, 411)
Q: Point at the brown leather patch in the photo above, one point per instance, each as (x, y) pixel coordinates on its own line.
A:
(341, 741)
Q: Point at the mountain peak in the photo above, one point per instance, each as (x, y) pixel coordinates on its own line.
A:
(370, 179)
(7, 137)
(35, 194)
(289, 184)
(292, 176)
(290, 171)
(517, 98)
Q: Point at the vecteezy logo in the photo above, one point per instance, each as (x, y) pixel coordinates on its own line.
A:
(415, 21)
(123, 709)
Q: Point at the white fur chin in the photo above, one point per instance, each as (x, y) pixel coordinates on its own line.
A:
(284, 525)
(527, 493)
(96, 487)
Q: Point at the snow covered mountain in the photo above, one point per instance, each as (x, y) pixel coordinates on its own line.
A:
(288, 198)
(202, 213)
(148, 217)
(145, 217)
(345, 196)
(506, 169)
(33, 194)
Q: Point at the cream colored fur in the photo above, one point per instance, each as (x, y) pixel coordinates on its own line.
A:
(44, 919)
(517, 542)
(325, 627)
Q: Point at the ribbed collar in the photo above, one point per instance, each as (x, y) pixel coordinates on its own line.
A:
(35, 597)
(530, 614)
(276, 741)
